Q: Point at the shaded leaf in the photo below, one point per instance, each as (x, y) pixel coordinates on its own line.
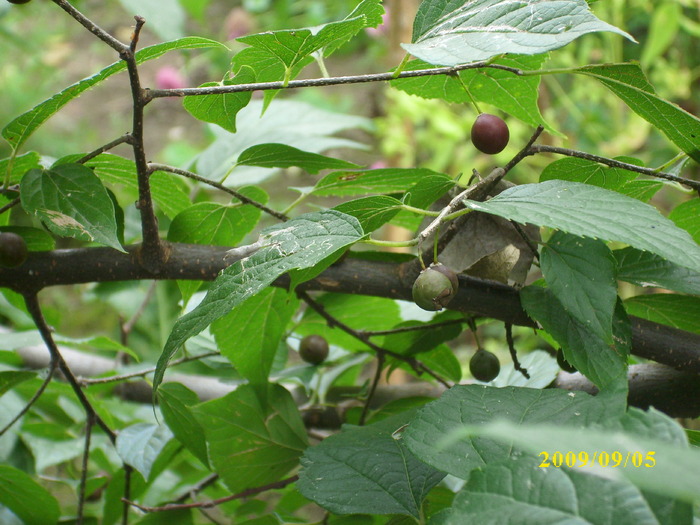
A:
(176, 403)
(139, 445)
(283, 156)
(366, 182)
(10, 378)
(686, 216)
(31, 502)
(679, 311)
(372, 212)
(646, 269)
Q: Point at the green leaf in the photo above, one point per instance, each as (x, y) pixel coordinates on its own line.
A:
(11, 378)
(452, 32)
(21, 128)
(628, 82)
(72, 202)
(18, 166)
(686, 216)
(646, 269)
(221, 109)
(372, 212)
(38, 240)
(415, 342)
(580, 272)
(252, 439)
(176, 403)
(31, 502)
(139, 445)
(671, 470)
(367, 470)
(283, 156)
(603, 363)
(259, 322)
(516, 95)
(590, 211)
(472, 404)
(679, 311)
(366, 182)
(299, 243)
(520, 491)
(442, 361)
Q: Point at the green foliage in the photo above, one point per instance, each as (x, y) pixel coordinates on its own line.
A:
(601, 238)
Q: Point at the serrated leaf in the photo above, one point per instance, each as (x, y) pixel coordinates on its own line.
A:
(283, 156)
(221, 109)
(372, 212)
(366, 182)
(580, 272)
(628, 82)
(472, 404)
(367, 470)
(516, 95)
(20, 129)
(589, 211)
(176, 403)
(31, 502)
(139, 445)
(71, 200)
(603, 363)
(299, 243)
(679, 311)
(452, 32)
(260, 321)
(646, 269)
(252, 439)
(11, 378)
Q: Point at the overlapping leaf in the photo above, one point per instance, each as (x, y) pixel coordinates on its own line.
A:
(646, 269)
(284, 156)
(28, 500)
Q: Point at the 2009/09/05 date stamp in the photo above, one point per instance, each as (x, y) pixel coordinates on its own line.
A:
(603, 458)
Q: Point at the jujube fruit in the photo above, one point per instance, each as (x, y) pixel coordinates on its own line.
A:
(435, 287)
(13, 249)
(484, 365)
(490, 134)
(313, 349)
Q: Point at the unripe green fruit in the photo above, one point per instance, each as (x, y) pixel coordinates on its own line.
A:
(19, 1)
(484, 365)
(435, 287)
(490, 134)
(313, 349)
(564, 364)
(13, 249)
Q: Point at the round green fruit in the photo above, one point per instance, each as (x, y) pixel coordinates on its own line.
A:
(435, 287)
(13, 250)
(313, 349)
(564, 364)
(490, 134)
(484, 365)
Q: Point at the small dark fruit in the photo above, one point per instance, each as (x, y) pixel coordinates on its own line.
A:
(564, 364)
(313, 349)
(435, 287)
(13, 249)
(484, 365)
(490, 134)
(19, 1)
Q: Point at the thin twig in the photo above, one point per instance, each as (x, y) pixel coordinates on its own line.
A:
(197, 488)
(128, 326)
(91, 26)
(318, 82)
(128, 470)
(90, 422)
(154, 166)
(213, 503)
(106, 147)
(34, 398)
(10, 205)
(513, 353)
(373, 387)
(541, 148)
(417, 328)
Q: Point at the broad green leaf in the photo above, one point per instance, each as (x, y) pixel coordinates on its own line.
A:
(72, 202)
(687, 216)
(367, 470)
(28, 500)
(471, 404)
(252, 442)
(665, 469)
(250, 334)
(283, 156)
(18, 166)
(589, 211)
(516, 95)
(366, 182)
(19, 130)
(221, 109)
(10, 378)
(176, 403)
(452, 32)
(628, 82)
(299, 243)
(139, 445)
(38, 240)
(371, 10)
(541, 367)
(679, 311)
(580, 272)
(520, 491)
(372, 212)
(603, 363)
(415, 342)
(165, 17)
(646, 269)
(442, 361)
